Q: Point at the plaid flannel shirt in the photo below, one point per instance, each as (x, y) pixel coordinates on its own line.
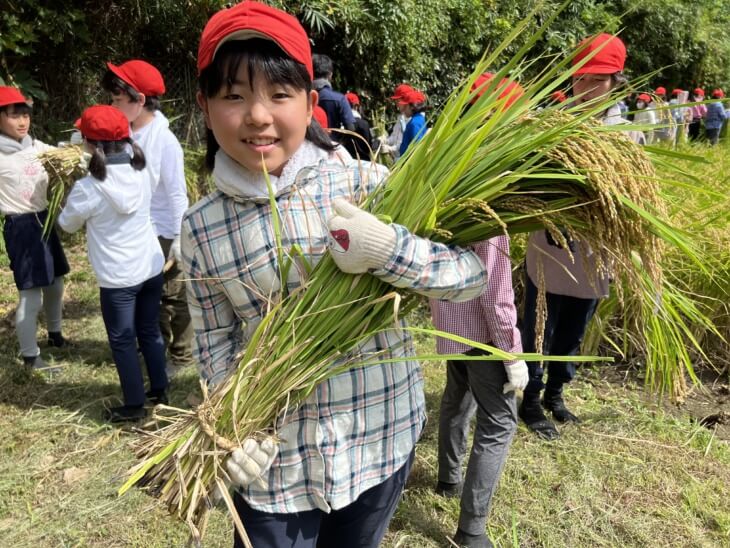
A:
(359, 427)
(491, 318)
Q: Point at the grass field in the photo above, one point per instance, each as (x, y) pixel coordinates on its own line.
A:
(633, 473)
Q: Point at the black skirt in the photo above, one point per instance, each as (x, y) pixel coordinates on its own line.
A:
(35, 261)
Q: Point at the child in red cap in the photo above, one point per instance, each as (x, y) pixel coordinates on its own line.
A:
(114, 203)
(715, 117)
(414, 107)
(359, 147)
(698, 114)
(336, 474)
(390, 144)
(573, 287)
(645, 116)
(38, 263)
(136, 87)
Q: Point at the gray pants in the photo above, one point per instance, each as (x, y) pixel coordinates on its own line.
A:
(475, 386)
(26, 316)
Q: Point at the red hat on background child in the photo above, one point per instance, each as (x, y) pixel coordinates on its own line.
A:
(509, 88)
(400, 91)
(103, 123)
(412, 97)
(255, 20)
(699, 92)
(141, 76)
(320, 115)
(644, 97)
(660, 91)
(677, 91)
(12, 96)
(352, 98)
(609, 59)
(718, 93)
(558, 96)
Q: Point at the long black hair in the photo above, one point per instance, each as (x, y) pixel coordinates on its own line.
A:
(102, 149)
(263, 57)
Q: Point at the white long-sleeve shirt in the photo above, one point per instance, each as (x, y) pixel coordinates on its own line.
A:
(23, 181)
(166, 169)
(123, 247)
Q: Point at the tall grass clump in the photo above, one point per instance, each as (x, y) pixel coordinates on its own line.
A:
(481, 171)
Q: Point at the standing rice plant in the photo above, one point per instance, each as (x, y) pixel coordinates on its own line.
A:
(481, 171)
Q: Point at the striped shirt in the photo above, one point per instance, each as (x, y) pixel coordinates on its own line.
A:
(491, 318)
(359, 427)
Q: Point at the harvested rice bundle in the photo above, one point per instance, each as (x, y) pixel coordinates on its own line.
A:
(64, 166)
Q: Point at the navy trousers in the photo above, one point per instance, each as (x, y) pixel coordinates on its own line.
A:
(132, 316)
(567, 320)
(361, 524)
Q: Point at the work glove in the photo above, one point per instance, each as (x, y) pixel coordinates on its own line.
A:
(358, 240)
(517, 376)
(175, 252)
(551, 241)
(251, 461)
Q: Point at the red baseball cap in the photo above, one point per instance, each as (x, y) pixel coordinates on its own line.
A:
(559, 96)
(400, 91)
(141, 76)
(320, 115)
(718, 93)
(509, 89)
(609, 59)
(644, 97)
(255, 20)
(412, 97)
(677, 91)
(352, 98)
(103, 123)
(699, 91)
(660, 90)
(12, 96)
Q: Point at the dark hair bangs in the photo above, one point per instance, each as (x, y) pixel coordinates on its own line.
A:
(17, 108)
(116, 86)
(262, 58)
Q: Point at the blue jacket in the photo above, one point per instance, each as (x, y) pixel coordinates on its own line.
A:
(715, 115)
(339, 113)
(415, 129)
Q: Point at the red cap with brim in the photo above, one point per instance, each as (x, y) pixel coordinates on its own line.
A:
(12, 96)
(718, 93)
(412, 97)
(141, 76)
(699, 92)
(320, 115)
(660, 91)
(677, 91)
(103, 123)
(644, 97)
(608, 55)
(400, 91)
(255, 20)
(509, 88)
(352, 98)
(559, 96)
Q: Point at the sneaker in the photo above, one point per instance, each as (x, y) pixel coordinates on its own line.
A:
(448, 490)
(157, 397)
(467, 540)
(36, 363)
(124, 413)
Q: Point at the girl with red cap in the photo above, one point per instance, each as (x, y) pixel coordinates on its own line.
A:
(38, 263)
(336, 473)
(390, 144)
(136, 87)
(715, 117)
(573, 288)
(414, 106)
(114, 203)
(698, 114)
(645, 116)
(359, 147)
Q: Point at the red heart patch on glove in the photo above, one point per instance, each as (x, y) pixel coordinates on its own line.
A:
(342, 237)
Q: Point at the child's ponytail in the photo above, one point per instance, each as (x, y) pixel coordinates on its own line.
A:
(138, 161)
(97, 164)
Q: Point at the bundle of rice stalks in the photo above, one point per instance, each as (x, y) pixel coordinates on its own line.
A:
(64, 167)
(481, 171)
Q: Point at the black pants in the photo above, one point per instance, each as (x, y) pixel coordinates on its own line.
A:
(713, 135)
(694, 129)
(567, 320)
(361, 524)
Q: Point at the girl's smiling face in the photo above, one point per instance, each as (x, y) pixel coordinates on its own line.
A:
(587, 87)
(14, 124)
(258, 123)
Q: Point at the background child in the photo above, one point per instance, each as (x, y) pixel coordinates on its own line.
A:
(698, 114)
(414, 105)
(337, 475)
(114, 202)
(38, 264)
(391, 144)
(715, 117)
(645, 116)
(359, 148)
(136, 87)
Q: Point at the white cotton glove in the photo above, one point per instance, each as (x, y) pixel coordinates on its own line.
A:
(175, 252)
(517, 376)
(251, 461)
(358, 240)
